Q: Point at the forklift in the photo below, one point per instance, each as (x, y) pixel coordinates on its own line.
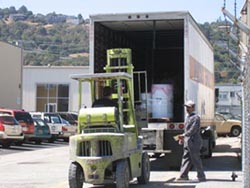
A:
(107, 148)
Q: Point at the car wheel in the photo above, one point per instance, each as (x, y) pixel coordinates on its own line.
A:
(38, 142)
(6, 145)
(51, 140)
(122, 174)
(145, 169)
(19, 143)
(235, 131)
(76, 176)
(66, 139)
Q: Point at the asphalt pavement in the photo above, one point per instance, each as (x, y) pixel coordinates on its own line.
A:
(223, 170)
(47, 167)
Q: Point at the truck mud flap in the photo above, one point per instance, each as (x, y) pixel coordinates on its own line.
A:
(172, 159)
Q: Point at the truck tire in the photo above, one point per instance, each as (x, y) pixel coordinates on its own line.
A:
(210, 149)
(122, 174)
(235, 131)
(145, 170)
(76, 175)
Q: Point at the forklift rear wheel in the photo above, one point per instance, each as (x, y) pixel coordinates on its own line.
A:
(76, 176)
(122, 174)
(145, 170)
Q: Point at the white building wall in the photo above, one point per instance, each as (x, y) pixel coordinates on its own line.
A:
(229, 98)
(33, 75)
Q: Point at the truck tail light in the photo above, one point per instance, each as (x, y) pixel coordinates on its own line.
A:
(181, 126)
(171, 126)
(1, 127)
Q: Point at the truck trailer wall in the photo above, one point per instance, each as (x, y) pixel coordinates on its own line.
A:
(169, 46)
(199, 69)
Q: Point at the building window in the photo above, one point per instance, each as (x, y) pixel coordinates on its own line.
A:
(52, 97)
(223, 96)
(232, 94)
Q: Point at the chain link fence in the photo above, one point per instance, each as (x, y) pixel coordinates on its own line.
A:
(246, 125)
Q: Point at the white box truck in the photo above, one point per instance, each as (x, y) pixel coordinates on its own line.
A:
(177, 60)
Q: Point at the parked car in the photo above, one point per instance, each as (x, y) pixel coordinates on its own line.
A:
(53, 120)
(42, 131)
(68, 130)
(25, 120)
(71, 117)
(224, 126)
(59, 128)
(229, 115)
(10, 130)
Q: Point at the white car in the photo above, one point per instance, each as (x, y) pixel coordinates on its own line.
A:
(10, 130)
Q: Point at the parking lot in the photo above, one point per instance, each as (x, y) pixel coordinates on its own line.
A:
(46, 166)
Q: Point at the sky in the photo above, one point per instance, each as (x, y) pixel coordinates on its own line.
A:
(202, 10)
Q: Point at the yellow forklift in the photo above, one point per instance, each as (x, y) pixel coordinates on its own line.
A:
(108, 148)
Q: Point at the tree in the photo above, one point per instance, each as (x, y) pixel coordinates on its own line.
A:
(12, 10)
(23, 10)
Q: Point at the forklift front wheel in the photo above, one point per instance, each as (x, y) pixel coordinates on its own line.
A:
(145, 169)
(76, 175)
(122, 174)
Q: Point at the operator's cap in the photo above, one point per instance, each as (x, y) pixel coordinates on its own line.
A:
(189, 103)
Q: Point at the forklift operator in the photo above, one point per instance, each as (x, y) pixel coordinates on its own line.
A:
(106, 100)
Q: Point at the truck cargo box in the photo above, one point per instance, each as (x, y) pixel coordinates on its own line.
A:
(169, 46)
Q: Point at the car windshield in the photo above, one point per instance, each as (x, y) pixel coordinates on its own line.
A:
(8, 120)
(220, 117)
(39, 122)
(23, 116)
(55, 119)
(227, 115)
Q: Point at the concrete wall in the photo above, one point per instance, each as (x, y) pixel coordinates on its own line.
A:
(33, 75)
(11, 76)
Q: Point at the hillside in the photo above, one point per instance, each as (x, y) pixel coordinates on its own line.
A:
(58, 39)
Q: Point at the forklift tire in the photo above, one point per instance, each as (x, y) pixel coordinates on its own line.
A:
(122, 174)
(145, 170)
(76, 176)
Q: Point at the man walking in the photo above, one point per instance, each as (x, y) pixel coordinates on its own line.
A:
(192, 142)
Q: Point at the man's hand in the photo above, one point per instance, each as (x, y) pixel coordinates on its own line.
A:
(181, 139)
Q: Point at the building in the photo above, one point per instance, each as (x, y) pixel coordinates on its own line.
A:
(11, 76)
(17, 17)
(50, 88)
(230, 96)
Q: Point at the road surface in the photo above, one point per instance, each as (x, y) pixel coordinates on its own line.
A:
(46, 166)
